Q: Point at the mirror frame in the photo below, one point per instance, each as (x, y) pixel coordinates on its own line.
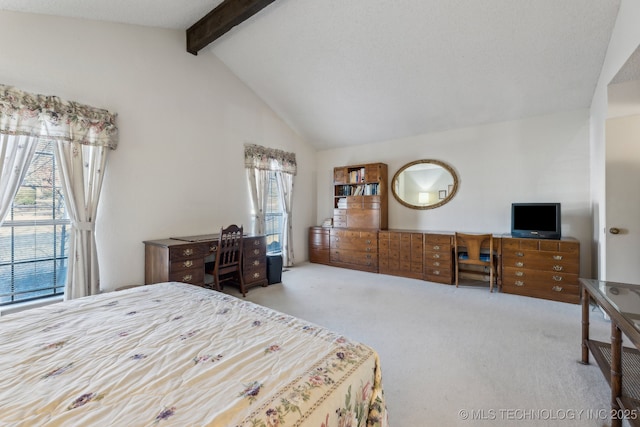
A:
(447, 199)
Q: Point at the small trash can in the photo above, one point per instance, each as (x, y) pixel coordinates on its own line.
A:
(274, 268)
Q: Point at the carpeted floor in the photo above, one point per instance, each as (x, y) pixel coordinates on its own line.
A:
(456, 357)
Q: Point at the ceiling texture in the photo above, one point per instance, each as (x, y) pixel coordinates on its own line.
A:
(350, 72)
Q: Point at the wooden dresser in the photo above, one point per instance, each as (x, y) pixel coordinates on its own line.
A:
(319, 245)
(183, 259)
(438, 258)
(355, 249)
(541, 268)
(401, 253)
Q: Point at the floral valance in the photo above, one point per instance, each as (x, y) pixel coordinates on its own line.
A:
(23, 113)
(258, 157)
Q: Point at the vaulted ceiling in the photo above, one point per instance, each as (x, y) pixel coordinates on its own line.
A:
(348, 72)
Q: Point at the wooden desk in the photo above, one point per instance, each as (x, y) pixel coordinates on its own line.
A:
(620, 365)
(182, 259)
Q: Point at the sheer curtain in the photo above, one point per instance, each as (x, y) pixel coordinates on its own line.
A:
(83, 135)
(16, 152)
(285, 185)
(259, 161)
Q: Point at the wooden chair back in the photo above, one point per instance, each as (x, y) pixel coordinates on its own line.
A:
(229, 256)
(473, 244)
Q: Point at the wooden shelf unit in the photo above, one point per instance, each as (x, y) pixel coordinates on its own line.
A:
(360, 196)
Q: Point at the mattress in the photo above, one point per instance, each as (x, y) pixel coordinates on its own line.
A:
(173, 354)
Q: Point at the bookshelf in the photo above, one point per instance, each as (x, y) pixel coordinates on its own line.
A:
(360, 196)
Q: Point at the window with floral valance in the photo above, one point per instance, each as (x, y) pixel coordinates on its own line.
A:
(79, 137)
(264, 167)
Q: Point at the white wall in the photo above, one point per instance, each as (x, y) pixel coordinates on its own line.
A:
(183, 119)
(540, 159)
(624, 41)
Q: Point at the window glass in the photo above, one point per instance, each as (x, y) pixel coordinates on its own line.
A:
(34, 239)
(273, 216)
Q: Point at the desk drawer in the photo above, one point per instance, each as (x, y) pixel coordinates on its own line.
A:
(186, 252)
(193, 276)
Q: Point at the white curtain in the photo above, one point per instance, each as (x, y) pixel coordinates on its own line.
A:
(259, 161)
(83, 136)
(258, 186)
(285, 187)
(81, 172)
(16, 152)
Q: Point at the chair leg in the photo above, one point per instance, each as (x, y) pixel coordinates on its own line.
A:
(241, 281)
(490, 279)
(216, 281)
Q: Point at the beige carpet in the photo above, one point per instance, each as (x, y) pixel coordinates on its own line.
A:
(456, 357)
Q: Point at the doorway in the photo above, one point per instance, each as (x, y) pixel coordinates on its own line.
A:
(622, 175)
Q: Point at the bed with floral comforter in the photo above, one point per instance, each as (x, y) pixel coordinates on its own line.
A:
(172, 354)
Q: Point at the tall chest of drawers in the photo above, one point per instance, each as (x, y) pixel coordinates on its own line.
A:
(541, 268)
(438, 259)
(356, 249)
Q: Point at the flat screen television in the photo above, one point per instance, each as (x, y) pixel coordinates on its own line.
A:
(536, 220)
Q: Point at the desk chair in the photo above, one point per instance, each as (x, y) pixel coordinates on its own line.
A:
(228, 262)
(467, 252)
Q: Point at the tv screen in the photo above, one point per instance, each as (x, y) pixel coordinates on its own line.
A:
(536, 220)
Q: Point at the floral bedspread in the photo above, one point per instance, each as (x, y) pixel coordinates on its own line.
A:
(173, 354)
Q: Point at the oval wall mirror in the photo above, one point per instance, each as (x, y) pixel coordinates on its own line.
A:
(424, 184)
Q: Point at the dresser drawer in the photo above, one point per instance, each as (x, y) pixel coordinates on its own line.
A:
(357, 258)
(544, 263)
(565, 291)
(522, 275)
(432, 240)
(442, 255)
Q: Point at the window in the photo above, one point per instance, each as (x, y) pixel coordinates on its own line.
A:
(273, 215)
(34, 238)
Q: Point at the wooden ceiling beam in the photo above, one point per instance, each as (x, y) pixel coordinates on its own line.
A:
(223, 18)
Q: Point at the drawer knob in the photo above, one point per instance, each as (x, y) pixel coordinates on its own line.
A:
(436, 248)
(520, 254)
(213, 248)
(519, 273)
(256, 251)
(187, 252)
(256, 262)
(557, 288)
(368, 242)
(256, 275)
(436, 264)
(256, 242)
(436, 256)
(187, 278)
(557, 257)
(557, 268)
(436, 272)
(368, 249)
(188, 263)
(557, 278)
(519, 283)
(519, 264)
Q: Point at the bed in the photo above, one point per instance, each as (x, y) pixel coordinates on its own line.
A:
(173, 354)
